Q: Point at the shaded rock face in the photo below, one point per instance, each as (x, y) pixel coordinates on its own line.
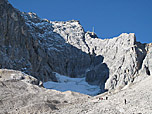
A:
(146, 68)
(147, 63)
(98, 75)
(53, 50)
(11, 38)
(40, 47)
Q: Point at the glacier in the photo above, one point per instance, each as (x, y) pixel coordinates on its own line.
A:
(72, 84)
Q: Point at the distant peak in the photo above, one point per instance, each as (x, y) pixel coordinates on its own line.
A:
(123, 34)
(92, 34)
(74, 21)
(31, 14)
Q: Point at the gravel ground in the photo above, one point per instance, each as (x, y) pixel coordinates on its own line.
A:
(18, 96)
(138, 101)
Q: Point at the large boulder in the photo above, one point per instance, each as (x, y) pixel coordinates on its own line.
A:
(9, 75)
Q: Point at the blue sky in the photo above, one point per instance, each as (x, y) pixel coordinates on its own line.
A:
(110, 18)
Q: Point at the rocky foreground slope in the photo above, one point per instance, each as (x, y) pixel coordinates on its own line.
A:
(22, 94)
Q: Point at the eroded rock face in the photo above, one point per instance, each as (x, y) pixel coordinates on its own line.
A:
(40, 47)
(29, 44)
(146, 68)
(147, 63)
(123, 56)
(53, 50)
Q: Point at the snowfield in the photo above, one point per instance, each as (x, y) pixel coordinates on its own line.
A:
(72, 84)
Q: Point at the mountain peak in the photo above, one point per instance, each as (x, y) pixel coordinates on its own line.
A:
(62, 53)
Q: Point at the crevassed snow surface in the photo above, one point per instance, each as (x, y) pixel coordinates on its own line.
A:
(73, 84)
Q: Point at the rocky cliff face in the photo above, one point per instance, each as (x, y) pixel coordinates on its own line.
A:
(30, 44)
(123, 56)
(40, 47)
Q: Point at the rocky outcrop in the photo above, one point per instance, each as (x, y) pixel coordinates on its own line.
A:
(16, 44)
(53, 50)
(123, 56)
(9, 75)
(30, 44)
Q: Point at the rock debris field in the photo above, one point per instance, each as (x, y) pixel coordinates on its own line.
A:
(23, 94)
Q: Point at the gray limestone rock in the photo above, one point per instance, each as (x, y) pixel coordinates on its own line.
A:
(40, 47)
(8, 75)
(21, 94)
(98, 75)
(20, 97)
(147, 63)
(30, 44)
(146, 68)
(122, 55)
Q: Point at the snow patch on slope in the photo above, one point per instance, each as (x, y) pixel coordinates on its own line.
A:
(73, 84)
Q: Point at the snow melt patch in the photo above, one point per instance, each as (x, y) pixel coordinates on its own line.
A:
(73, 84)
